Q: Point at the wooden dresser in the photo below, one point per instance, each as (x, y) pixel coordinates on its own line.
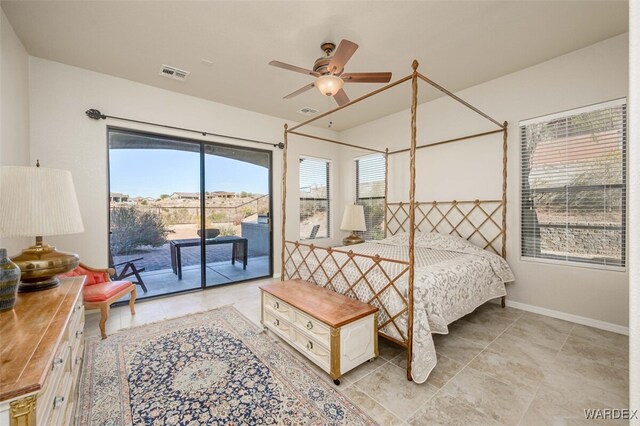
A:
(41, 351)
(336, 332)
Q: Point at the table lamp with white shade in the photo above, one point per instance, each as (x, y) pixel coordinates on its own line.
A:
(38, 202)
(353, 220)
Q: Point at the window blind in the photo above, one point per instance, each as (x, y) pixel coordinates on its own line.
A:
(315, 213)
(574, 185)
(370, 173)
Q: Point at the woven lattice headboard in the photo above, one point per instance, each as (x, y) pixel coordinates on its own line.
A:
(479, 221)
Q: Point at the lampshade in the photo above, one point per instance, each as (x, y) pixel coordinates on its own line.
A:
(329, 85)
(353, 219)
(37, 201)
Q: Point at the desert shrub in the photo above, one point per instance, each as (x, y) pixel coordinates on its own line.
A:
(218, 217)
(227, 231)
(247, 211)
(132, 227)
(177, 216)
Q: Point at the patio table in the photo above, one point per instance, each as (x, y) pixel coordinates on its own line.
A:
(238, 252)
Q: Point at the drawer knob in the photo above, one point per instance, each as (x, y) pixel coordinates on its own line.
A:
(57, 401)
(276, 305)
(309, 325)
(276, 322)
(77, 308)
(57, 362)
(78, 360)
(79, 333)
(310, 345)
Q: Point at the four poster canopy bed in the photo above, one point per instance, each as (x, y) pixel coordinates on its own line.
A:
(426, 273)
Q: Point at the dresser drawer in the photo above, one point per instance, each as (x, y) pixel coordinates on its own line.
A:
(278, 306)
(313, 350)
(277, 324)
(311, 326)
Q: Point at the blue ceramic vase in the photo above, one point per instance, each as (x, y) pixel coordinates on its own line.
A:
(9, 280)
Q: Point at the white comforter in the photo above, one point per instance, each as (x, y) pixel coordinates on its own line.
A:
(452, 278)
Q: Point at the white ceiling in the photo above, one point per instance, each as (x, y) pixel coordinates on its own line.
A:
(458, 44)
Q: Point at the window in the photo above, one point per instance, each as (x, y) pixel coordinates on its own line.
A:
(370, 172)
(574, 185)
(315, 207)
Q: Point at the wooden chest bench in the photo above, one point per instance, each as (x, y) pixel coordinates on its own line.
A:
(335, 332)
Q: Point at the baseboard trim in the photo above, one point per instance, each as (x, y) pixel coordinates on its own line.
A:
(615, 328)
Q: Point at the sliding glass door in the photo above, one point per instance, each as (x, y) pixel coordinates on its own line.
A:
(186, 214)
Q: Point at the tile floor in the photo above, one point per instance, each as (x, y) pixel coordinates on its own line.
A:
(497, 366)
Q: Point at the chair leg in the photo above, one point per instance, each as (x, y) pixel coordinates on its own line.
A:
(139, 278)
(104, 316)
(132, 300)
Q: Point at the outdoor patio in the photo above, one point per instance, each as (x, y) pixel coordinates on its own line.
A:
(160, 278)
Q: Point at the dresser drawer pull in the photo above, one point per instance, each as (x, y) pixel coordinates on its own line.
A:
(309, 325)
(78, 360)
(310, 345)
(276, 322)
(57, 362)
(79, 334)
(57, 401)
(77, 308)
(276, 305)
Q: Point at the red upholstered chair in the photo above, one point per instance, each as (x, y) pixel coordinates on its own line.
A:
(100, 292)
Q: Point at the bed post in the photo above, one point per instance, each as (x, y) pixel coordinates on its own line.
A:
(386, 189)
(284, 202)
(412, 215)
(504, 199)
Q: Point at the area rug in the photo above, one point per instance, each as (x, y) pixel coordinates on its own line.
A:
(213, 368)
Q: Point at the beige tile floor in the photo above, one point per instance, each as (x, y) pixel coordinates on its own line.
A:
(497, 366)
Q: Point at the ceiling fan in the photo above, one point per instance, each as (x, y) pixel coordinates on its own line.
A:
(329, 72)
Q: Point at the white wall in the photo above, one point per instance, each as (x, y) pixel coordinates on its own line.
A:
(472, 169)
(634, 206)
(63, 136)
(14, 111)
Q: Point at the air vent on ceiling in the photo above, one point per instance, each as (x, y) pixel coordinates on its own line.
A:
(308, 111)
(173, 72)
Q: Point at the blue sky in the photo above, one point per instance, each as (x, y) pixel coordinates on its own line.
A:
(151, 172)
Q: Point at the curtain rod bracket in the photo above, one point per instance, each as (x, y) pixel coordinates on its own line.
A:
(280, 145)
(95, 114)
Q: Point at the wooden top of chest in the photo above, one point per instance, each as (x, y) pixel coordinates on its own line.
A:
(30, 335)
(325, 305)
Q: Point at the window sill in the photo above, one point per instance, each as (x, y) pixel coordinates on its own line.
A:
(573, 264)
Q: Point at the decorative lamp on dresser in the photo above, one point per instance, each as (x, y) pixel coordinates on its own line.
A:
(41, 349)
(335, 332)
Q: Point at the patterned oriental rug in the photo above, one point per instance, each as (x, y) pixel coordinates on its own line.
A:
(211, 368)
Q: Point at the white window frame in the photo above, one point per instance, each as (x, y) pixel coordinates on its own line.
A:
(570, 263)
(329, 198)
(356, 198)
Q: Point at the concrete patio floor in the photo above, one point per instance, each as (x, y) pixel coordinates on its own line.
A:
(164, 281)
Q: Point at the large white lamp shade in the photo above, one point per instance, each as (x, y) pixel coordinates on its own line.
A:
(353, 220)
(37, 202)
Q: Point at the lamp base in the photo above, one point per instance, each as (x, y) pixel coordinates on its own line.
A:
(352, 239)
(44, 284)
(40, 264)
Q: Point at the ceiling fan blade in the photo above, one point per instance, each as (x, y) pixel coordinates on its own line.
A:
(341, 56)
(301, 90)
(341, 97)
(366, 77)
(293, 68)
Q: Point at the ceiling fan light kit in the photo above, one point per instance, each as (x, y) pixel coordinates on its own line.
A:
(329, 72)
(329, 84)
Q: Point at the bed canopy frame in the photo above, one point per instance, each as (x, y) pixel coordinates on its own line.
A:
(453, 217)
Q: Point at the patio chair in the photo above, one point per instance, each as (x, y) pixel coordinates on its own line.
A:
(129, 270)
(314, 232)
(99, 292)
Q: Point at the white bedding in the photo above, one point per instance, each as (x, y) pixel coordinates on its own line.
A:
(452, 278)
